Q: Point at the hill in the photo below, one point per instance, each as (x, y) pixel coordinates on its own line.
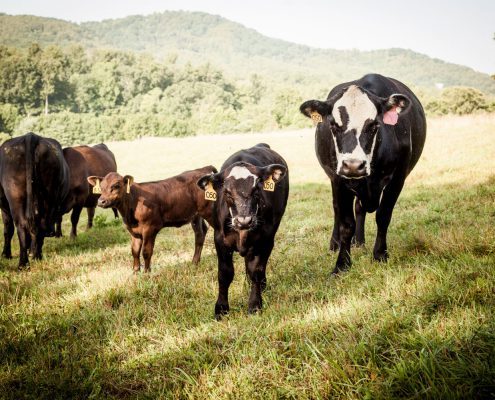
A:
(199, 37)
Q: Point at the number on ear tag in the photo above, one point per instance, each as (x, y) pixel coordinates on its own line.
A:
(269, 184)
(210, 193)
(316, 117)
(96, 187)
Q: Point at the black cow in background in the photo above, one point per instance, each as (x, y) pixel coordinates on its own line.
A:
(369, 136)
(34, 181)
(251, 194)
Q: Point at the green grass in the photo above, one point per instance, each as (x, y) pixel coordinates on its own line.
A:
(79, 324)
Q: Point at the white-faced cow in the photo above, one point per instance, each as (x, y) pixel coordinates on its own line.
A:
(370, 134)
(251, 192)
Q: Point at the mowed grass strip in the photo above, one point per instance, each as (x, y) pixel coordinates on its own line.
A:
(79, 324)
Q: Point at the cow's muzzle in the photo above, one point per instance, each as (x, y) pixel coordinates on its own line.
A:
(243, 222)
(353, 169)
(103, 203)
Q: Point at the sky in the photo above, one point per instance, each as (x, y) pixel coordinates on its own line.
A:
(458, 31)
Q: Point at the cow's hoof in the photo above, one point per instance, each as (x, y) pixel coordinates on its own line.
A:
(357, 242)
(381, 256)
(254, 309)
(221, 310)
(7, 255)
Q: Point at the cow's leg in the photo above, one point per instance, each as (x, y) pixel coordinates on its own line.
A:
(74, 219)
(24, 245)
(347, 226)
(360, 220)
(91, 216)
(256, 270)
(8, 232)
(115, 212)
(136, 244)
(37, 246)
(384, 215)
(335, 239)
(225, 277)
(58, 226)
(148, 245)
(199, 226)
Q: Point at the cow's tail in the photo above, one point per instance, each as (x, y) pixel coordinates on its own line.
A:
(30, 143)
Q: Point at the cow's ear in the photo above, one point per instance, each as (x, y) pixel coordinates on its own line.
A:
(313, 108)
(92, 179)
(215, 179)
(393, 106)
(276, 171)
(128, 181)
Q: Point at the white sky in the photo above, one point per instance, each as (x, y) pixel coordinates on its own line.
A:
(459, 31)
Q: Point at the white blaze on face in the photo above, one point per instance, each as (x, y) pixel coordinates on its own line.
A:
(241, 173)
(359, 108)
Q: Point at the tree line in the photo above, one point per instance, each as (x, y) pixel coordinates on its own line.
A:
(86, 96)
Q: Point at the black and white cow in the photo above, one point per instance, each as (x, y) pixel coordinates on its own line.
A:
(370, 133)
(251, 194)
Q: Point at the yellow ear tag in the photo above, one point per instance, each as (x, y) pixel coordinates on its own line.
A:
(96, 187)
(128, 186)
(269, 184)
(316, 117)
(210, 193)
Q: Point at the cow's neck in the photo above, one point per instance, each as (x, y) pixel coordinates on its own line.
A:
(127, 207)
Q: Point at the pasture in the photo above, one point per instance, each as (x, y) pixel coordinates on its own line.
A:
(79, 324)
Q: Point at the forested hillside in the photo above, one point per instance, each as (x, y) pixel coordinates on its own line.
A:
(199, 37)
(181, 73)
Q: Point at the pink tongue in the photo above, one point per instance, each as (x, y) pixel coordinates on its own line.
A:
(391, 117)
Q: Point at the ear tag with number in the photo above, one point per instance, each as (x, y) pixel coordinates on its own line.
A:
(128, 186)
(210, 193)
(96, 187)
(316, 117)
(269, 184)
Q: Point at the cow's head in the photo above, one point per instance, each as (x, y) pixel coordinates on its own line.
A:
(113, 188)
(239, 189)
(355, 117)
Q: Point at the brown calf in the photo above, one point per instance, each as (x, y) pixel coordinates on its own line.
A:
(148, 207)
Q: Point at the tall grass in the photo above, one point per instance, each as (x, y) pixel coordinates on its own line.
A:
(81, 325)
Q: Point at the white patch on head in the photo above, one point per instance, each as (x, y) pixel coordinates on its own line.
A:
(359, 109)
(242, 173)
(357, 154)
(358, 106)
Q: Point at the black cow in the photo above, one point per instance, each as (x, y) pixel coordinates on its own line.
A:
(370, 134)
(34, 181)
(246, 216)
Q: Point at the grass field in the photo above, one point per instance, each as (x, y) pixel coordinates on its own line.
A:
(81, 325)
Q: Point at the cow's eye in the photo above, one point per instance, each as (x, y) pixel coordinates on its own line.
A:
(116, 187)
(228, 197)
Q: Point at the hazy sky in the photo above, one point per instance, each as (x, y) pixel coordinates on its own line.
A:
(459, 31)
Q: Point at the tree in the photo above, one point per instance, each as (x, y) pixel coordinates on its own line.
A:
(51, 64)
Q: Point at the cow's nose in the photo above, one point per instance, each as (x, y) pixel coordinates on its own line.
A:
(353, 168)
(102, 202)
(244, 221)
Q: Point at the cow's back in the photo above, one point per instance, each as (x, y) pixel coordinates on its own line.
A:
(179, 197)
